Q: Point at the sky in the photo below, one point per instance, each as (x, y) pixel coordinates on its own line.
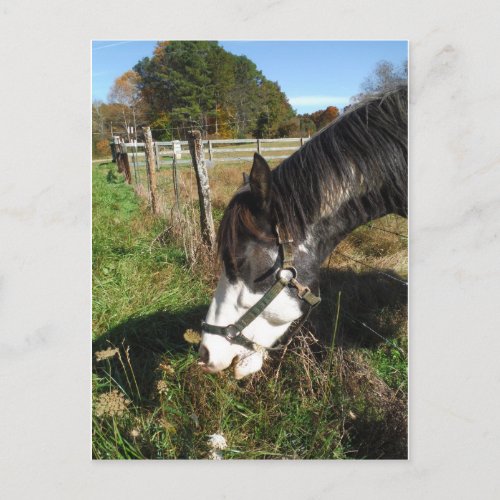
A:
(313, 74)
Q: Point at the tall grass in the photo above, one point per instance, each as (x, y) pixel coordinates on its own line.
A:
(342, 396)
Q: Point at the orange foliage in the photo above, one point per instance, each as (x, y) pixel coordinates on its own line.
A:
(323, 117)
(125, 89)
(159, 48)
(102, 147)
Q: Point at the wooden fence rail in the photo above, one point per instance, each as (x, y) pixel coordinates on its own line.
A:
(216, 150)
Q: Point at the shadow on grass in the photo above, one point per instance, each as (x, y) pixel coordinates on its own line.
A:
(371, 298)
(372, 312)
(146, 340)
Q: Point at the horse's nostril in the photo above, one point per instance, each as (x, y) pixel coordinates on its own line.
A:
(203, 353)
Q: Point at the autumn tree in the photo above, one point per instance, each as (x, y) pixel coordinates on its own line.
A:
(107, 120)
(126, 94)
(101, 127)
(311, 123)
(125, 89)
(323, 117)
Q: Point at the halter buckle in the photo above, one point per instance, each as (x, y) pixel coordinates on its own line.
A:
(232, 332)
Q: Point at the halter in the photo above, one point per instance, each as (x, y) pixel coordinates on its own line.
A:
(234, 332)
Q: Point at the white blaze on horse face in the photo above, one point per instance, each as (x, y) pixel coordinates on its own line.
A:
(230, 302)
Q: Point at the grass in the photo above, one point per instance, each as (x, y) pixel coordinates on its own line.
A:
(341, 397)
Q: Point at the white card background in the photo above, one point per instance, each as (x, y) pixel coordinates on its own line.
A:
(45, 249)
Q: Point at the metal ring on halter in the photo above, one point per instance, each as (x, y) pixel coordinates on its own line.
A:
(232, 332)
(283, 278)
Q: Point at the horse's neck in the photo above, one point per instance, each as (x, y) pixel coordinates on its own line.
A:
(334, 226)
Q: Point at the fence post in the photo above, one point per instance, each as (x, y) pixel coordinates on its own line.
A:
(125, 163)
(258, 146)
(175, 181)
(210, 150)
(157, 157)
(200, 168)
(114, 148)
(151, 168)
(301, 141)
(116, 153)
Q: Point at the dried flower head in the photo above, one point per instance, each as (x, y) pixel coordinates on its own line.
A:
(192, 337)
(217, 442)
(161, 387)
(112, 404)
(165, 367)
(135, 433)
(106, 354)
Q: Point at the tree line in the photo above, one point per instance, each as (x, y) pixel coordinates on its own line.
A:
(198, 84)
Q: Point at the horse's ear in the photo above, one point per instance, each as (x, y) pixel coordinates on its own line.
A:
(260, 181)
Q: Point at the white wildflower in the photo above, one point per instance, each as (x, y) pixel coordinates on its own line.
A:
(217, 443)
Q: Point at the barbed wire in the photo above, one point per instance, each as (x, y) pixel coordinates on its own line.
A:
(372, 267)
(371, 226)
(372, 330)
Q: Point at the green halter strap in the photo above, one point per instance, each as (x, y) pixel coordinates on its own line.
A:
(234, 332)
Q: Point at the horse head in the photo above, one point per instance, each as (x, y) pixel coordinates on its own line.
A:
(265, 283)
(281, 225)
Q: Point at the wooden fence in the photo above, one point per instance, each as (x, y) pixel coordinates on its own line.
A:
(152, 168)
(216, 151)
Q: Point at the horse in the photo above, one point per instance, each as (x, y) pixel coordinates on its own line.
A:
(282, 224)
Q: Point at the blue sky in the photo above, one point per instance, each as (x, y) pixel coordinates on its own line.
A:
(313, 74)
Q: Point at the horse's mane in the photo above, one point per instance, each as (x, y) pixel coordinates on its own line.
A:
(358, 156)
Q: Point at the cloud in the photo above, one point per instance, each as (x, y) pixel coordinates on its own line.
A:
(318, 100)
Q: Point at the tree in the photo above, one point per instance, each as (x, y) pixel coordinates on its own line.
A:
(323, 117)
(161, 128)
(310, 123)
(102, 124)
(198, 83)
(125, 93)
(384, 77)
(98, 120)
(102, 148)
(125, 89)
(177, 81)
(276, 111)
(307, 125)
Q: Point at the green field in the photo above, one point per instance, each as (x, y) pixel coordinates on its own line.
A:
(311, 401)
